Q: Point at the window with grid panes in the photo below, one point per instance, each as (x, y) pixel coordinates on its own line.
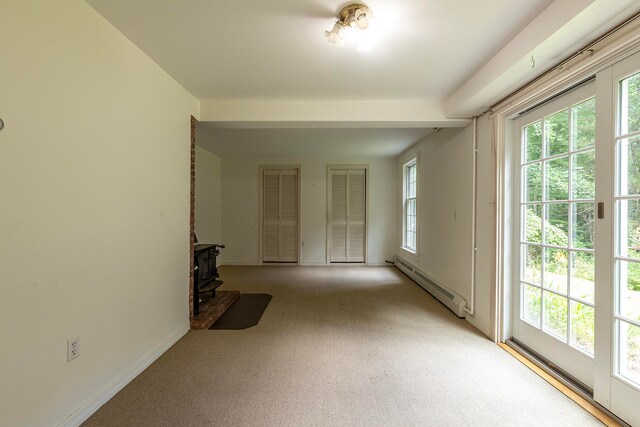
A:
(410, 205)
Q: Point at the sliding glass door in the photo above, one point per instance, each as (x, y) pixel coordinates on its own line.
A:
(556, 283)
(625, 317)
(577, 234)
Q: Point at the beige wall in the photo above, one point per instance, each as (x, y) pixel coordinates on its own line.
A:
(94, 187)
(208, 196)
(241, 207)
(445, 190)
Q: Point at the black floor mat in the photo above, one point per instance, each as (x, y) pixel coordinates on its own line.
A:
(244, 313)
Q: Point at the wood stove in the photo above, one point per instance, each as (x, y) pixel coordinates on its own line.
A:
(205, 272)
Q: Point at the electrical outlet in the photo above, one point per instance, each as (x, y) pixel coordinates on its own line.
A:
(73, 348)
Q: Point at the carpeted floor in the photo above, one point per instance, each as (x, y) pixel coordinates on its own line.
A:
(343, 346)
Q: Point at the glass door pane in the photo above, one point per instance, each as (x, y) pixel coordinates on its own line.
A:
(627, 226)
(557, 233)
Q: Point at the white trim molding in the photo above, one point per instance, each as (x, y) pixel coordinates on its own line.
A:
(250, 263)
(485, 329)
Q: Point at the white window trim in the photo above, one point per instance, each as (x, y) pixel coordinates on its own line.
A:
(411, 160)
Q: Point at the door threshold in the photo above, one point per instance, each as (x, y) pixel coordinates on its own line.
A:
(579, 393)
(558, 373)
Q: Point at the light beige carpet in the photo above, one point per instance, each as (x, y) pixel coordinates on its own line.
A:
(339, 346)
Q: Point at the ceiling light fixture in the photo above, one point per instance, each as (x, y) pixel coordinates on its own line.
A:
(354, 16)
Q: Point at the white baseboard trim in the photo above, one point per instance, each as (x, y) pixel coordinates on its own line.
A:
(305, 264)
(103, 395)
(479, 326)
(358, 264)
(337, 264)
(232, 263)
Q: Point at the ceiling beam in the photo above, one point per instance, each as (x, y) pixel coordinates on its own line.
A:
(326, 114)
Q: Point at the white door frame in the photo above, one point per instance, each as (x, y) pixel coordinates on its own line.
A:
(261, 169)
(366, 214)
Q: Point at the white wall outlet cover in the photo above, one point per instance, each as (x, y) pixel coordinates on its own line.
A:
(73, 348)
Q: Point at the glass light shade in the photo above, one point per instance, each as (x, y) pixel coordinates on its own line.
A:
(334, 36)
(361, 19)
(363, 22)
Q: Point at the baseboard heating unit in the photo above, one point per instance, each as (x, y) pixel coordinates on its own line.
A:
(455, 302)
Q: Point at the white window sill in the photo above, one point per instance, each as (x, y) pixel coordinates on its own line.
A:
(409, 252)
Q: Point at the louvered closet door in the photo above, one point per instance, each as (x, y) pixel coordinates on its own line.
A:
(289, 216)
(280, 215)
(348, 215)
(338, 227)
(271, 216)
(356, 216)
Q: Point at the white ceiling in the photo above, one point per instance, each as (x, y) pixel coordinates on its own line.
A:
(261, 49)
(258, 66)
(300, 143)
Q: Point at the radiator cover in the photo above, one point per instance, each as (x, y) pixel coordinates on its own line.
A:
(453, 301)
